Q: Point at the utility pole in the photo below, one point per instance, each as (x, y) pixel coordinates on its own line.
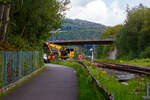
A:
(92, 56)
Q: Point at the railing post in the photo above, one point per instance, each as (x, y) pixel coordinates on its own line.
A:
(147, 97)
(5, 68)
(112, 96)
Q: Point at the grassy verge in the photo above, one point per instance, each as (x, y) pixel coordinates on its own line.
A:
(137, 62)
(22, 82)
(133, 91)
(86, 90)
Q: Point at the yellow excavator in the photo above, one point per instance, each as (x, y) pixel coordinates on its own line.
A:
(63, 53)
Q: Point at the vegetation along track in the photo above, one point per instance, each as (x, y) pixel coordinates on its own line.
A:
(124, 67)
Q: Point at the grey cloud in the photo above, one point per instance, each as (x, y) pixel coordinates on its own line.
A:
(81, 3)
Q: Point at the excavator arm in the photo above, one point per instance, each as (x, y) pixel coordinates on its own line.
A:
(56, 46)
(63, 53)
(59, 48)
(50, 50)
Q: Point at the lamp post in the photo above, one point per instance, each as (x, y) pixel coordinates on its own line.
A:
(92, 57)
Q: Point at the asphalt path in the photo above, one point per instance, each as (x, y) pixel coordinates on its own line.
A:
(55, 83)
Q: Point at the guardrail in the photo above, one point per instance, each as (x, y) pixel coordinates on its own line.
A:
(96, 82)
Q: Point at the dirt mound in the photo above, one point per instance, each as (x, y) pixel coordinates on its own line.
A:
(5, 46)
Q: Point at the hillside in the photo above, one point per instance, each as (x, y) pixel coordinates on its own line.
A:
(79, 29)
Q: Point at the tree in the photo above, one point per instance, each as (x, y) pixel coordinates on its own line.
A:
(111, 32)
(133, 37)
(6, 20)
(4, 17)
(31, 21)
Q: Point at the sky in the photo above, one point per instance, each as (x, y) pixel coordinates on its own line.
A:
(106, 12)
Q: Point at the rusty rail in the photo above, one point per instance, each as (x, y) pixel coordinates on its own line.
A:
(124, 67)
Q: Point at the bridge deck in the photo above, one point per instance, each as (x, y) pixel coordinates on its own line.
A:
(82, 42)
(55, 83)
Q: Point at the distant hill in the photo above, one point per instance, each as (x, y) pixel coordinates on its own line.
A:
(79, 29)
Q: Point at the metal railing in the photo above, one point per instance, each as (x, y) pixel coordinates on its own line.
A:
(101, 89)
(17, 64)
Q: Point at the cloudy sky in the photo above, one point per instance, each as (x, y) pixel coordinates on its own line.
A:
(107, 12)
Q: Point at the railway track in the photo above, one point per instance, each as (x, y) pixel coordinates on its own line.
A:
(124, 67)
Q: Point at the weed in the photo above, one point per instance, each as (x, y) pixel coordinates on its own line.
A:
(133, 91)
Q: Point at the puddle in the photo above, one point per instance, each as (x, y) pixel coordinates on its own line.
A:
(124, 83)
(124, 77)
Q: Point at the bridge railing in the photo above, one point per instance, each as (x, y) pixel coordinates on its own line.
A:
(15, 65)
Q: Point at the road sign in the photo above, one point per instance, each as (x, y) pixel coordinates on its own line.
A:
(80, 56)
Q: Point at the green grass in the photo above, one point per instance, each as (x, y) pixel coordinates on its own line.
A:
(139, 62)
(87, 91)
(22, 82)
(133, 91)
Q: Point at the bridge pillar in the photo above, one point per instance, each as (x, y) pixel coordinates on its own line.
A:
(113, 54)
(79, 50)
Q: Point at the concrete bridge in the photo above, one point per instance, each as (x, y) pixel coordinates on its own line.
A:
(112, 54)
(82, 42)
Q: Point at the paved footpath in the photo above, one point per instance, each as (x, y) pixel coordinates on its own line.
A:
(55, 83)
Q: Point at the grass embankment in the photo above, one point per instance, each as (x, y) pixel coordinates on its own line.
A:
(22, 82)
(86, 90)
(133, 91)
(137, 62)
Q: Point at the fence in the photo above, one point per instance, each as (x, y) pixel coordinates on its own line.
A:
(15, 65)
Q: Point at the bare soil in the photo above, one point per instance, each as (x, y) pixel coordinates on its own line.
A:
(5, 46)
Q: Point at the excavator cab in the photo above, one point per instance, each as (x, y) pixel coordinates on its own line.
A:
(70, 52)
(64, 54)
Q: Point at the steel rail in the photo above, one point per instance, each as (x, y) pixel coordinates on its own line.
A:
(124, 67)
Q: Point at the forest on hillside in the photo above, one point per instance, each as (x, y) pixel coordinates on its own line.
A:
(132, 37)
(78, 30)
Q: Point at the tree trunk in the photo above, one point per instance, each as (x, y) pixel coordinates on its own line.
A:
(6, 20)
(22, 33)
(1, 15)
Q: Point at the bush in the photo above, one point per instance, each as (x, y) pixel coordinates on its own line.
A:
(146, 53)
